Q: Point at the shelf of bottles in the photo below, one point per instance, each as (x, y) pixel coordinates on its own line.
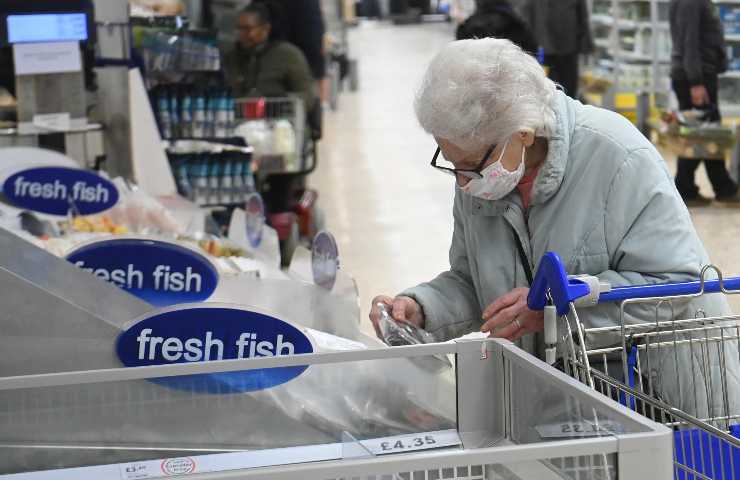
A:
(213, 174)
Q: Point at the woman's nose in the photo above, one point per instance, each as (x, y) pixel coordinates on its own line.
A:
(461, 180)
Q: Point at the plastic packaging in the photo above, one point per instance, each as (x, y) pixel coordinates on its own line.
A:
(397, 333)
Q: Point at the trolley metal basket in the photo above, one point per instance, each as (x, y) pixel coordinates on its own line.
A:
(673, 365)
(268, 123)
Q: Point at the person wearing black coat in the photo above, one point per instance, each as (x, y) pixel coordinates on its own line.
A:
(698, 57)
(302, 24)
(563, 31)
(497, 18)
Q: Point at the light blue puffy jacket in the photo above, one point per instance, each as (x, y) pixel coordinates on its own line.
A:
(605, 202)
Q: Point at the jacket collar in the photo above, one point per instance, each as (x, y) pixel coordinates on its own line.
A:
(256, 50)
(553, 170)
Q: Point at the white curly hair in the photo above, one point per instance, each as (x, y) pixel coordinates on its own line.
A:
(480, 92)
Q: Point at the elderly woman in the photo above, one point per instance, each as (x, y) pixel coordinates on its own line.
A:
(536, 171)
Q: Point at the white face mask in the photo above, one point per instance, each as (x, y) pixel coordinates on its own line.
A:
(497, 181)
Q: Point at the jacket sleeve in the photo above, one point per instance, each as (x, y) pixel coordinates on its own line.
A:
(688, 19)
(649, 235)
(450, 303)
(299, 78)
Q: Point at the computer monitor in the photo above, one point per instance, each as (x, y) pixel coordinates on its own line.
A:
(46, 27)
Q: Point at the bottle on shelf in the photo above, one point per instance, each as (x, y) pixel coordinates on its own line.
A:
(227, 186)
(174, 104)
(163, 114)
(214, 179)
(199, 114)
(186, 115)
(183, 171)
(211, 108)
(231, 114)
(201, 180)
(222, 115)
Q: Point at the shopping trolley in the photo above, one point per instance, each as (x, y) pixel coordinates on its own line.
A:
(285, 153)
(670, 364)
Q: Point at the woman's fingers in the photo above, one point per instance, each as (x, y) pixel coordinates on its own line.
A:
(503, 317)
(508, 331)
(401, 307)
(503, 301)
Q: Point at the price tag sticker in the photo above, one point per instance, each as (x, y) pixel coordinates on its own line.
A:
(579, 429)
(53, 121)
(159, 468)
(412, 443)
(138, 471)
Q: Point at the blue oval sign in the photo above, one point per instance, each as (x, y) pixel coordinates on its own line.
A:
(201, 333)
(158, 272)
(56, 190)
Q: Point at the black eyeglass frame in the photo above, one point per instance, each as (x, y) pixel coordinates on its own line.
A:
(472, 173)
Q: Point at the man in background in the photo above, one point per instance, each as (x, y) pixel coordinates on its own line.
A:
(562, 29)
(261, 65)
(497, 18)
(697, 59)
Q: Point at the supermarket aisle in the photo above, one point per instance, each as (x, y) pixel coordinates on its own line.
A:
(390, 211)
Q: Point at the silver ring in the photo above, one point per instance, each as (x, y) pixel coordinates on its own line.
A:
(517, 323)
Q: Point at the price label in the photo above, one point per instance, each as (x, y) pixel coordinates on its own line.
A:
(411, 443)
(159, 468)
(53, 121)
(137, 471)
(579, 429)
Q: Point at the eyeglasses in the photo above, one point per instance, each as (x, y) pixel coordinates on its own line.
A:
(471, 173)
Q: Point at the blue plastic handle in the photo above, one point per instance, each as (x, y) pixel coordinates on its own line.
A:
(551, 277)
(667, 289)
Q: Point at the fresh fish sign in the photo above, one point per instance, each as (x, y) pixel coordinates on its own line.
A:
(57, 190)
(158, 272)
(206, 332)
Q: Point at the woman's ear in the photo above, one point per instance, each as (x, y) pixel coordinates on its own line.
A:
(525, 136)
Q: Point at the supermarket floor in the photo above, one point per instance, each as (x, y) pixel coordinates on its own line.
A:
(390, 212)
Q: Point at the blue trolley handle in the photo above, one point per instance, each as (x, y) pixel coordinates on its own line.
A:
(551, 278)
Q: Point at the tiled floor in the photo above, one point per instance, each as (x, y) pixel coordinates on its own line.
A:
(390, 212)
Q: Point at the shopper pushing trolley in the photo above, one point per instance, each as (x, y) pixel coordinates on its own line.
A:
(535, 172)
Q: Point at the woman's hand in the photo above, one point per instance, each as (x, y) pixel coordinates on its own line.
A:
(400, 308)
(509, 317)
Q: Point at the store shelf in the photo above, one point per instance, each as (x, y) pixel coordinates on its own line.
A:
(602, 43)
(734, 74)
(602, 19)
(623, 24)
(640, 57)
(641, 25)
(733, 37)
(730, 110)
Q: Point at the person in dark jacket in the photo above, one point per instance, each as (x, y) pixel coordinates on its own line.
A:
(304, 27)
(497, 18)
(261, 65)
(697, 59)
(562, 28)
